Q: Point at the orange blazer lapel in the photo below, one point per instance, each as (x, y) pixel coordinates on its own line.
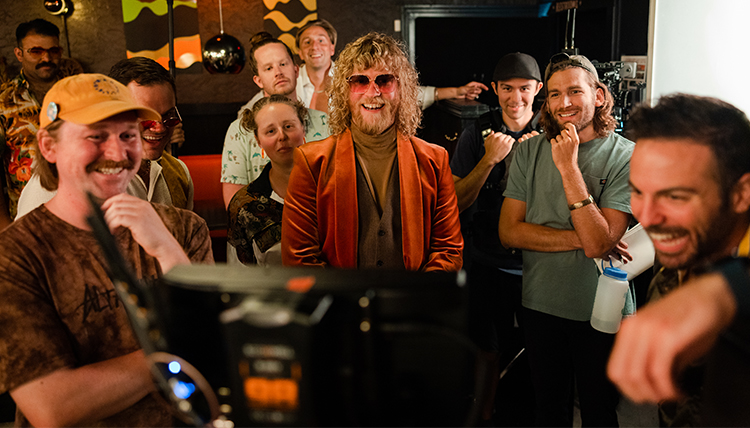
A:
(346, 223)
(412, 212)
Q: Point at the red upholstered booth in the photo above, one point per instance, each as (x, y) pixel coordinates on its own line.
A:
(208, 200)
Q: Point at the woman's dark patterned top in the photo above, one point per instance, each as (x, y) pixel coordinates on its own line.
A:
(254, 217)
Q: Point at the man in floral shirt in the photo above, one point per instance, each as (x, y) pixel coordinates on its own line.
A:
(39, 52)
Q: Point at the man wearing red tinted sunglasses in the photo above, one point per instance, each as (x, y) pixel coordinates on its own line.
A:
(161, 177)
(372, 195)
(39, 52)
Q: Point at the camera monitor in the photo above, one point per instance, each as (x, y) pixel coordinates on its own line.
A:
(324, 347)
(252, 346)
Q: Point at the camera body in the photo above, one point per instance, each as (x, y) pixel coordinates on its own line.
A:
(616, 75)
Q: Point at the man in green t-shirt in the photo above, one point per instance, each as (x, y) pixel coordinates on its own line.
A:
(566, 202)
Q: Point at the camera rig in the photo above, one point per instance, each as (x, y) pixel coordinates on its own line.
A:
(627, 93)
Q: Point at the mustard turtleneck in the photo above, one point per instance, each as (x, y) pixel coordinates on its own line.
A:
(376, 155)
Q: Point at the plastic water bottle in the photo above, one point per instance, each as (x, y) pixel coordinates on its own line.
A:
(611, 292)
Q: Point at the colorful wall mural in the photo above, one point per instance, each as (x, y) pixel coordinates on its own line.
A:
(285, 17)
(147, 28)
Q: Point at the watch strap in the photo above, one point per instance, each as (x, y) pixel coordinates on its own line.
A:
(583, 203)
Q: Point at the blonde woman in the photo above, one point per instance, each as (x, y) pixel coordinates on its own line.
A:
(255, 210)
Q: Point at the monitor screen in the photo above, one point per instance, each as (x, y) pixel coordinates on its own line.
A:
(295, 346)
(254, 346)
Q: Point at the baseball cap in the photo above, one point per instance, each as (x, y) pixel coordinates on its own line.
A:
(562, 59)
(88, 98)
(517, 65)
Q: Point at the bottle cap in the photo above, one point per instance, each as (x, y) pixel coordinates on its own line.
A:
(616, 273)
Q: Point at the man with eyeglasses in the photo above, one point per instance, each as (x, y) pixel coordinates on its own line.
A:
(161, 177)
(567, 201)
(40, 55)
(275, 73)
(372, 195)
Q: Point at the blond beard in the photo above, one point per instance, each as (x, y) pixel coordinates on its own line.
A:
(385, 119)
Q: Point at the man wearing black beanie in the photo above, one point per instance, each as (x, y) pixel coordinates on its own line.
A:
(480, 167)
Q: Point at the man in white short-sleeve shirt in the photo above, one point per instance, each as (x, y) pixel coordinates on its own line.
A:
(274, 72)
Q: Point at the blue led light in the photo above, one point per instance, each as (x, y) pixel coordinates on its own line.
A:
(174, 367)
(183, 390)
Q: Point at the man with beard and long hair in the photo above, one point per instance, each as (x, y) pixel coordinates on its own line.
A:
(68, 354)
(40, 55)
(690, 189)
(372, 195)
(566, 202)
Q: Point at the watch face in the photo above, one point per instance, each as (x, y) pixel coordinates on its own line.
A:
(583, 203)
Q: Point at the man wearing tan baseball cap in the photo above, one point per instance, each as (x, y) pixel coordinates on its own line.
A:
(67, 353)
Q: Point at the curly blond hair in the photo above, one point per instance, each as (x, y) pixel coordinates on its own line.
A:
(371, 51)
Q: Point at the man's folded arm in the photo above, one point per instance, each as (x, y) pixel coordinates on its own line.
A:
(598, 230)
(515, 232)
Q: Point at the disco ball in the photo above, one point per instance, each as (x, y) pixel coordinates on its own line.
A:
(56, 7)
(223, 54)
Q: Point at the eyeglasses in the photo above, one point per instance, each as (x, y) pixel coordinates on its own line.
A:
(359, 83)
(37, 51)
(169, 122)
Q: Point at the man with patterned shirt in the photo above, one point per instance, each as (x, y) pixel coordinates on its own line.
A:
(39, 52)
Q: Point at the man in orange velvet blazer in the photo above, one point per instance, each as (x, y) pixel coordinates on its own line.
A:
(372, 195)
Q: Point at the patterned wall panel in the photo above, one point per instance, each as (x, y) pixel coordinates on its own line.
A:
(147, 27)
(285, 17)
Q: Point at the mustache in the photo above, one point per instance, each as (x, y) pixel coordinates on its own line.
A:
(126, 164)
(46, 64)
(378, 99)
(666, 230)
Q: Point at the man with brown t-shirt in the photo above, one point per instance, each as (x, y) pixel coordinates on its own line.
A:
(67, 353)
